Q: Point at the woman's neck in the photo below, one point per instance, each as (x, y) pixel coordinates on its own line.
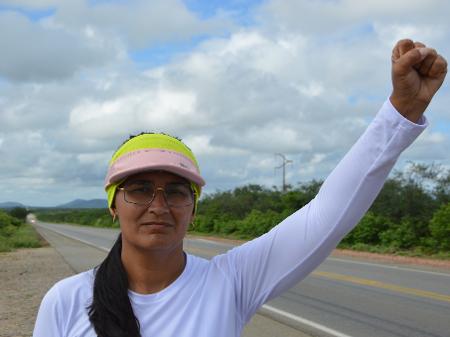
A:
(152, 272)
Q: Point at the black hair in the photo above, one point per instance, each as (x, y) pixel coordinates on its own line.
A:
(111, 313)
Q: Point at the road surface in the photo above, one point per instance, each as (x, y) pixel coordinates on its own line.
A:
(342, 298)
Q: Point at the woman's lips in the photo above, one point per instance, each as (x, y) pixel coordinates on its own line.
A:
(156, 223)
(156, 226)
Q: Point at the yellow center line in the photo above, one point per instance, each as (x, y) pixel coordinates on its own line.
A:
(382, 285)
(357, 280)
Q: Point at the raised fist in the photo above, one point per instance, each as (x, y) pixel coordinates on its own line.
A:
(417, 74)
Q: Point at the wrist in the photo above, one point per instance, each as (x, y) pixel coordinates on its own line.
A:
(408, 108)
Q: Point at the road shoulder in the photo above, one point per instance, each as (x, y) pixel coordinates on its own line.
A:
(26, 275)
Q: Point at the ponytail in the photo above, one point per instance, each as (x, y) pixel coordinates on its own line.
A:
(111, 313)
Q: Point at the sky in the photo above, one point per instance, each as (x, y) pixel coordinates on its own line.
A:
(238, 81)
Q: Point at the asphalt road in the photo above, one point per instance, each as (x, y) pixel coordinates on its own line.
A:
(342, 298)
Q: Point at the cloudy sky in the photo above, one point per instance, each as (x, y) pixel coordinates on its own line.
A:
(237, 80)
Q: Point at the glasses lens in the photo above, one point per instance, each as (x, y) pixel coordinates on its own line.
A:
(139, 193)
(178, 195)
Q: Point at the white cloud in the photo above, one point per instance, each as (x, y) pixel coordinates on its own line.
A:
(32, 4)
(305, 80)
(311, 89)
(33, 52)
(140, 23)
(152, 109)
(330, 17)
(201, 146)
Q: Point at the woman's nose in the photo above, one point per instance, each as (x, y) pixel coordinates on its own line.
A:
(159, 201)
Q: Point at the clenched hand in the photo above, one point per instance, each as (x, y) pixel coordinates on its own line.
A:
(417, 74)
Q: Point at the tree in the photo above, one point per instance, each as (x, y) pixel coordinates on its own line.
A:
(19, 213)
(440, 227)
(368, 230)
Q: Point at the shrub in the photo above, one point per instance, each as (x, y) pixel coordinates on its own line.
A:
(19, 213)
(203, 224)
(8, 220)
(256, 223)
(88, 217)
(440, 227)
(8, 230)
(14, 234)
(401, 236)
(223, 224)
(368, 230)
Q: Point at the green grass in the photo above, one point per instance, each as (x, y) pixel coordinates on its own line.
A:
(23, 237)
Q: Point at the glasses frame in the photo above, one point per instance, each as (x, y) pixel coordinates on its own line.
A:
(154, 196)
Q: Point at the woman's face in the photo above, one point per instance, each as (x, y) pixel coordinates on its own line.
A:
(154, 227)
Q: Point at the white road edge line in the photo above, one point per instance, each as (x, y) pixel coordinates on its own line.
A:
(304, 321)
(220, 244)
(77, 239)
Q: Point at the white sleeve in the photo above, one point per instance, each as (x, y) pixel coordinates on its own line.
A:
(264, 267)
(49, 318)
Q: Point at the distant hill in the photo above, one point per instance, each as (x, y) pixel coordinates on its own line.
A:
(81, 203)
(77, 203)
(11, 204)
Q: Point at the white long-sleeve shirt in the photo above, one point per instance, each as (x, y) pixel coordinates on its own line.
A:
(218, 297)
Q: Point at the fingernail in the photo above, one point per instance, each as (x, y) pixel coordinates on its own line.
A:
(423, 52)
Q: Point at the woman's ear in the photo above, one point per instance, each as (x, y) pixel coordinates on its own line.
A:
(113, 213)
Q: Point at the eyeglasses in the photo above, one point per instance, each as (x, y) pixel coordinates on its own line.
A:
(143, 193)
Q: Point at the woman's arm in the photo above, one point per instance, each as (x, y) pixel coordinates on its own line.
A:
(266, 266)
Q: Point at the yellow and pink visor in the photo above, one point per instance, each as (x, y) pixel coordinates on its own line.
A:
(152, 152)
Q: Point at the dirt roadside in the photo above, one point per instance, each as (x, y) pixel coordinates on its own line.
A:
(25, 277)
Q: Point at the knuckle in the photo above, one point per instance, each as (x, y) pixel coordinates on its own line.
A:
(419, 44)
(441, 62)
(405, 41)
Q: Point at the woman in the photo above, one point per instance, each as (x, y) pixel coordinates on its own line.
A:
(148, 286)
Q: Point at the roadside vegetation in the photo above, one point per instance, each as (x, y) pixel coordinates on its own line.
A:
(15, 232)
(411, 215)
(96, 217)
